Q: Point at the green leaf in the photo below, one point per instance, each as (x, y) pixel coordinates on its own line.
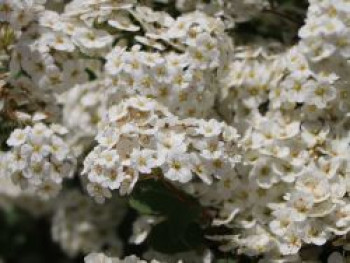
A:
(170, 237)
(140, 206)
(179, 231)
(153, 197)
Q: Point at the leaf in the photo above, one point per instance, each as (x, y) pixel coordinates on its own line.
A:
(140, 206)
(179, 231)
(152, 197)
(169, 237)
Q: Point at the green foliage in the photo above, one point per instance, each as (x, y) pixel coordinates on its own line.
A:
(180, 230)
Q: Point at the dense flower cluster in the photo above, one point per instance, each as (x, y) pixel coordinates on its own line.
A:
(326, 31)
(160, 90)
(57, 59)
(84, 107)
(292, 185)
(39, 159)
(141, 137)
(20, 13)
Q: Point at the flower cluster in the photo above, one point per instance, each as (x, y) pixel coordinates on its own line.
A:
(325, 42)
(102, 258)
(326, 31)
(187, 53)
(20, 13)
(283, 81)
(84, 107)
(140, 137)
(39, 159)
(11, 194)
(77, 229)
(292, 185)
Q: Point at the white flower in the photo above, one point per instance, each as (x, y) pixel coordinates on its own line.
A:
(50, 19)
(209, 128)
(291, 242)
(314, 233)
(341, 216)
(17, 137)
(115, 61)
(39, 132)
(107, 138)
(297, 90)
(90, 39)
(98, 192)
(315, 183)
(17, 161)
(144, 160)
(287, 172)
(48, 189)
(112, 178)
(201, 168)
(59, 148)
(59, 41)
(301, 203)
(321, 95)
(167, 142)
(210, 148)
(263, 173)
(282, 223)
(108, 158)
(177, 167)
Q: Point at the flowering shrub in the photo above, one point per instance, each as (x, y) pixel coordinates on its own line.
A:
(175, 130)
